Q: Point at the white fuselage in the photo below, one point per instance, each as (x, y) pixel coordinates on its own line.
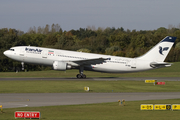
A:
(47, 56)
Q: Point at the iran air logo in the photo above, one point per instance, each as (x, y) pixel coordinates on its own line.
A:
(162, 49)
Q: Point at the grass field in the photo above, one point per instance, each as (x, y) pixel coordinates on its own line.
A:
(103, 111)
(173, 71)
(78, 86)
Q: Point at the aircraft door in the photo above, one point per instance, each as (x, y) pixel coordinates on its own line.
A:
(22, 54)
(44, 54)
(133, 63)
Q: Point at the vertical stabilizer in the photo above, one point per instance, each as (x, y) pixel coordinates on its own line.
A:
(159, 52)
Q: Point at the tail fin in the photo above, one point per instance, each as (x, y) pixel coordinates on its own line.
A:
(159, 52)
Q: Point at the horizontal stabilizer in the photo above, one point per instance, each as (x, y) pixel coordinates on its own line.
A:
(159, 65)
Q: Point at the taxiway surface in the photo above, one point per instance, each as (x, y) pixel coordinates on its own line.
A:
(14, 100)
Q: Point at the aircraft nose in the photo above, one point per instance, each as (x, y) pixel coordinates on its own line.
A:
(5, 53)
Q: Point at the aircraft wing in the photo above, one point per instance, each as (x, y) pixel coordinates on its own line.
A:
(90, 61)
(158, 65)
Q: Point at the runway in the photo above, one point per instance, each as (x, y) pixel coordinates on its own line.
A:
(14, 100)
(100, 78)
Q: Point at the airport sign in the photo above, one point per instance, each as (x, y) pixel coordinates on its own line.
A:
(162, 107)
(1, 107)
(150, 81)
(27, 114)
(86, 89)
(146, 107)
(175, 107)
(160, 83)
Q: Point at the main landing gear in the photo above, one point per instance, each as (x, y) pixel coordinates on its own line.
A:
(81, 75)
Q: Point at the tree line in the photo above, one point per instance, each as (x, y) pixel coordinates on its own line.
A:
(108, 41)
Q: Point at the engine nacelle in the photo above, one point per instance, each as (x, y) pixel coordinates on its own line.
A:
(59, 65)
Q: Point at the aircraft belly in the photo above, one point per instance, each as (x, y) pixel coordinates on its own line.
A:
(120, 68)
(112, 68)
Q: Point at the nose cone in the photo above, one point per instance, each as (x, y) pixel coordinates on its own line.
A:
(6, 53)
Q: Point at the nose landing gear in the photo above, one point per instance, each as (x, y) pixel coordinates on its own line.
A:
(22, 63)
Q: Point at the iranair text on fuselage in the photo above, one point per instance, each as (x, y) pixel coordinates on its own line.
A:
(32, 50)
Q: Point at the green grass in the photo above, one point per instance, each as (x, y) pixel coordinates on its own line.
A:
(43, 86)
(173, 71)
(103, 111)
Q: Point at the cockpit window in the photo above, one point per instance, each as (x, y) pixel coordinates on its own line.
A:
(12, 49)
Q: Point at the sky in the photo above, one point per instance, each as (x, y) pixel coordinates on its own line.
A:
(75, 14)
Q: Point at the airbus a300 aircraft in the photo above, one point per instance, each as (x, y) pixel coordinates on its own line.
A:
(64, 59)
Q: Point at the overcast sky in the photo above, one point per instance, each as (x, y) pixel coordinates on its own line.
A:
(73, 14)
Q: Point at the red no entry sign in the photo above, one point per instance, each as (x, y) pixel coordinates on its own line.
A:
(160, 83)
(28, 114)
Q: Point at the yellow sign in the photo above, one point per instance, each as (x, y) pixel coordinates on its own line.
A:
(162, 107)
(1, 107)
(86, 88)
(176, 107)
(146, 106)
(150, 81)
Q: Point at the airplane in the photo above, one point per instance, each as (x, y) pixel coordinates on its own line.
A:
(63, 59)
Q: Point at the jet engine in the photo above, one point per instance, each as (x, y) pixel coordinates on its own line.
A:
(60, 65)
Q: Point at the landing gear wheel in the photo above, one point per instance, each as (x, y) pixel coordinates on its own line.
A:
(81, 76)
(78, 75)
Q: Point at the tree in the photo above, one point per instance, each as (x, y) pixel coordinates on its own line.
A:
(84, 50)
(46, 29)
(111, 50)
